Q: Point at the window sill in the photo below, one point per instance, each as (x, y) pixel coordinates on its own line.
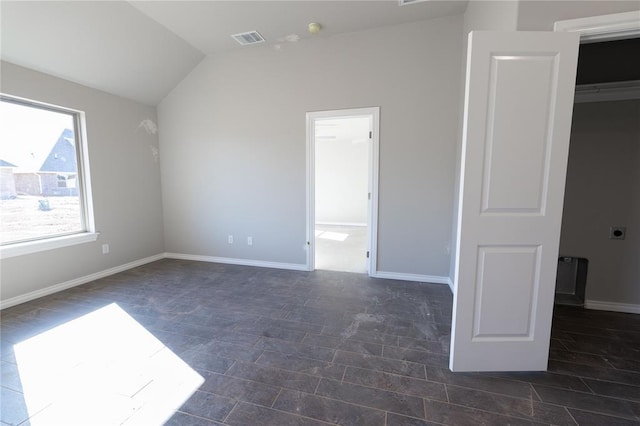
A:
(19, 249)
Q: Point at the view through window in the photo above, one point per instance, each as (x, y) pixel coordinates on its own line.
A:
(41, 172)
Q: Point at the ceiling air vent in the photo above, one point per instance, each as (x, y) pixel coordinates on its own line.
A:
(251, 37)
(406, 2)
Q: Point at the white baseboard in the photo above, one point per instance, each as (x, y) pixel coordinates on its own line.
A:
(412, 277)
(450, 284)
(612, 306)
(76, 282)
(243, 262)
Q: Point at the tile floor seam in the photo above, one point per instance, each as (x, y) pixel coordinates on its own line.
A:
(235, 361)
(571, 416)
(190, 415)
(236, 403)
(535, 392)
(276, 398)
(594, 393)
(353, 403)
(291, 414)
(521, 398)
(374, 388)
(446, 392)
(514, 415)
(424, 404)
(601, 413)
(568, 407)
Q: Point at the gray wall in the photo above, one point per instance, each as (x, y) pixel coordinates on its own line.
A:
(125, 183)
(538, 15)
(603, 189)
(232, 136)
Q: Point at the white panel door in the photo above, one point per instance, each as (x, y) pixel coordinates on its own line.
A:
(518, 106)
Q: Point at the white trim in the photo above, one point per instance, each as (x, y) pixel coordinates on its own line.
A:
(604, 27)
(243, 262)
(612, 306)
(432, 279)
(76, 282)
(450, 284)
(360, 224)
(27, 247)
(372, 229)
(602, 92)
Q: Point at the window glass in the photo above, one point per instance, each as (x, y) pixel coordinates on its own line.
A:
(41, 172)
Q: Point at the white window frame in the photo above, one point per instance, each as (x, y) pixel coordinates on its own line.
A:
(89, 233)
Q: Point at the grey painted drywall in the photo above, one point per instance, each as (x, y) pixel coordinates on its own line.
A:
(479, 16)
(232, 136)
(603, 189)
(125, 180)
(342, 171)
(541, 15)
(491, 16)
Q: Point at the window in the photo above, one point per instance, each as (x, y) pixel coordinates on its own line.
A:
(44, 197)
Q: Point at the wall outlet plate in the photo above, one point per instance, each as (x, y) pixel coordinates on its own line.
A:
(617, 232)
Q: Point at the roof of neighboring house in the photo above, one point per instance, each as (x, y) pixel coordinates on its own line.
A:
(6, 164)
(62, 157)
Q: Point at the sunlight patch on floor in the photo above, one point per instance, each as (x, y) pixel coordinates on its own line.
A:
(102, 368)
(333, 236)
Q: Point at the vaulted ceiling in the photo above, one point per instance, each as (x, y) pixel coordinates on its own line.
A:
(142, 49)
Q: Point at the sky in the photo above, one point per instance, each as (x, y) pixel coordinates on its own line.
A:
(27, 134)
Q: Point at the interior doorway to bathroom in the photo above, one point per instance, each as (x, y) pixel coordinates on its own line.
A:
(342, 190)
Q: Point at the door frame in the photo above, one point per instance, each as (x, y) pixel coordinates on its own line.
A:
(374, 148)
(603, 27)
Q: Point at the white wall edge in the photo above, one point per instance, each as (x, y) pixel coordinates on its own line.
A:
(612, 306)
(77, 281)
(243, 262)
(450, 284)
(433, 279)
(603, 27)
(28, 247)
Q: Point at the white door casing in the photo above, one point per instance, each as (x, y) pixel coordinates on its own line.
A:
(372, 209)
(518, 107)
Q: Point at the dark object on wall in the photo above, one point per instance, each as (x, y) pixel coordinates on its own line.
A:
(571, 280)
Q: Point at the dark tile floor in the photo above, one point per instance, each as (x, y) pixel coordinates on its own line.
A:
(249, 346)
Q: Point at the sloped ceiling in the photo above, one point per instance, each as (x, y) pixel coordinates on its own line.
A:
(142, 50)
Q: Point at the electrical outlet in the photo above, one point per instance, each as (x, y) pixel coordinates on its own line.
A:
(249, 241)
(230, 239)
(105, 249)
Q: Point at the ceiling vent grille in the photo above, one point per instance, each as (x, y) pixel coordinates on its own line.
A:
(407, 2)
(250, 37)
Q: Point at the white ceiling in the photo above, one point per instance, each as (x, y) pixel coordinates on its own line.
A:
(142, 49)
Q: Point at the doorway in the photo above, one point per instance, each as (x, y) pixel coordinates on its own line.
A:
(342, 173)
(602, 186)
